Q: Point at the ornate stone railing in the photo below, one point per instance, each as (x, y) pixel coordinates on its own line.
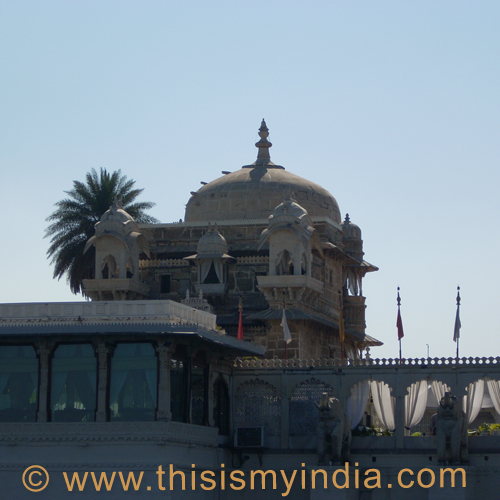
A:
(285, 381)
(145, 264)
(347, 363)
(258, 259)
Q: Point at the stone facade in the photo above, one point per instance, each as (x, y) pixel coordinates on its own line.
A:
(269, 239)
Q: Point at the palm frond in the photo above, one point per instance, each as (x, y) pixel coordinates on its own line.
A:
(73, 221)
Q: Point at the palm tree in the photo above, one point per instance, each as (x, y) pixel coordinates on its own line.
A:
(72, 224)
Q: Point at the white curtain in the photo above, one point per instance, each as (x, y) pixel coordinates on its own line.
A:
(282, 263)
(415, 404)
(350, 353)
(438, 390)
(352, 282)
(219, 270)
(204, 269)
(494, 390)
(357, 401)
(472, 402)
(384, 403)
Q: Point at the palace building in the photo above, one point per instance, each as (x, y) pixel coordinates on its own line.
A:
(150, 371)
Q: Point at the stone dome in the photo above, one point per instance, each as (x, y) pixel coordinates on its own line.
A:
(116, 213)
(350, 230)
(212, 244)
(254, 191)
(291, 208)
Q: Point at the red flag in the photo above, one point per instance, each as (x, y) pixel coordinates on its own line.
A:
(240, 327)
(240, 321)
(399, 324)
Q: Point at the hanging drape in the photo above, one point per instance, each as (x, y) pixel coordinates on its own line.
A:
(204, 269)
(438, 389)
(73, 367)
(494, 390)
(58, 382)
(357, 401)
(415, 404)
(349, 352)
(85, 385)
(472, 402)
(151, 380)
(352, 282)
(219, 269)
(384, 403)
(282, 263)
(118, 378)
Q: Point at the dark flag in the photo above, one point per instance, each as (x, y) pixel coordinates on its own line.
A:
(399, 321)
(458, 324)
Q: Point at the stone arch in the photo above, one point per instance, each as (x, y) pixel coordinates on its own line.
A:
(284, 263)
(478, 403)
(383, 404)
(435, 391)
(109, 267)
(258, 404)
(415, 402)
(303, 413)
(357, 401)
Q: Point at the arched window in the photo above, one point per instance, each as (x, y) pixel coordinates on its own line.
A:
(18, 384)
(109, 268)
(133, 391)
(211, 278)
(304, 414)
(284, 264)
(257, 404)
(73, 384)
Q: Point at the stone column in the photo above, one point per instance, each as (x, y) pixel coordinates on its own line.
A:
(187, 375)
(103, 352)
(399, 414)
(44, 351)
(163, 412)
(215, 369)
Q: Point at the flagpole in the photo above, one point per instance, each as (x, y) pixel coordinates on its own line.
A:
(458, 325)
(399, 325)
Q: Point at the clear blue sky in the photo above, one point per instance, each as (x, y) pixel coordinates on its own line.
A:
(393, 106)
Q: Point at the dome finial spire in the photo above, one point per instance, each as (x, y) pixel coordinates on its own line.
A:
(263, 157)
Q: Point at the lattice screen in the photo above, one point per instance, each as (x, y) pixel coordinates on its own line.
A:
(304, 414)
(257, 404)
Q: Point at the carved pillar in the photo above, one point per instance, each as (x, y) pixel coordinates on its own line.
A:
(163, 412)
(44, 351)
(211, 377)
(103, 352)
(399, 420)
